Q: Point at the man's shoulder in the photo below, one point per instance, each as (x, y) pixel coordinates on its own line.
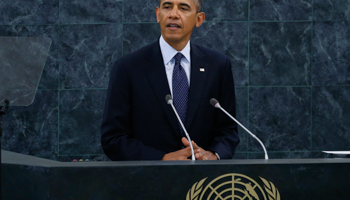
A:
(207, 52)
(141, 53)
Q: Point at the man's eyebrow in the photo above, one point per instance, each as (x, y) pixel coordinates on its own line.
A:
(185, 4)
(166, 3)
(170, 3)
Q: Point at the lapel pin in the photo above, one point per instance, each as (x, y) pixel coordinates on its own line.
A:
(202, 69)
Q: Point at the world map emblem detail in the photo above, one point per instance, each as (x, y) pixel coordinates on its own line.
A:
(233, 186)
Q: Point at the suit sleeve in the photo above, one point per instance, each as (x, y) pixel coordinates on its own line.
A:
(226, 136)
(116, 129)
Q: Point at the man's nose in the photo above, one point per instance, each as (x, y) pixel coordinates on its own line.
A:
(174, 13)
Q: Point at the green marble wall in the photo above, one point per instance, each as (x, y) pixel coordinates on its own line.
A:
(290, 58)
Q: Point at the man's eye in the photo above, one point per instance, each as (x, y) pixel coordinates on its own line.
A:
(184, 8)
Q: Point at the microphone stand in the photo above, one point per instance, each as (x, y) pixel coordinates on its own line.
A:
(216, 104)
(169, 101)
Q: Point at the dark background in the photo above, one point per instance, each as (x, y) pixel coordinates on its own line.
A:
(290, 58)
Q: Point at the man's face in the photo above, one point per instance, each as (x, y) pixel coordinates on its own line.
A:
(177, 18)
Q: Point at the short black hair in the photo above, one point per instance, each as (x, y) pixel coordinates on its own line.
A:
(197, 2)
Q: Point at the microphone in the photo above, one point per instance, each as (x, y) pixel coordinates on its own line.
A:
(169, 100)
(216, 104)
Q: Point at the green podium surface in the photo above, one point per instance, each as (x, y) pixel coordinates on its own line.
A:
(28, 177)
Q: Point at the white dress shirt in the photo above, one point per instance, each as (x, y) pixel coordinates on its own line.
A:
(168, 53)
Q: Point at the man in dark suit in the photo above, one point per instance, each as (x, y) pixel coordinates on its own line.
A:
(138, 124)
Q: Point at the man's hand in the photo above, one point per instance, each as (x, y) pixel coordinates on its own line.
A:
(199, 153)
(182, 154)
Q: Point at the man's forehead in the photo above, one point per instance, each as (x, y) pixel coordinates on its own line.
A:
(178, 1)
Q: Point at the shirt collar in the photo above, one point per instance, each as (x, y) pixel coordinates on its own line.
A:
(168, 52)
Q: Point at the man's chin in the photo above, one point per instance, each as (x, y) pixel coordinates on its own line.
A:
(172, 39)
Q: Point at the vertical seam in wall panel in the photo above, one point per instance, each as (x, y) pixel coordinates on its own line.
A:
(312, 10)
(311, 82)
(58, 123)
(248, 77)
(311, 117)
(311, 85)
(59, 91)
(123, 22)
(58, 79)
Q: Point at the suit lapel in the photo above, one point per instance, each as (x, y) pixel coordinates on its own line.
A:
(199, 71)
(158, 81)
(157, 78)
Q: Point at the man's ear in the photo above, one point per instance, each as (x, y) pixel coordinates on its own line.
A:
(157, 13)
(200, 18)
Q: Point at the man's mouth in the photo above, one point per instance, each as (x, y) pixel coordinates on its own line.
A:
(173, 26)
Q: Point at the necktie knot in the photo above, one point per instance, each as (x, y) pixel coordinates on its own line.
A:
(178, 58)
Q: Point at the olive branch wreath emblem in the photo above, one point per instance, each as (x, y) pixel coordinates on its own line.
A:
(271, 190)
(196, 189)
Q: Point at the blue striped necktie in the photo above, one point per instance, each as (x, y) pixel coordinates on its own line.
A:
(180, 89)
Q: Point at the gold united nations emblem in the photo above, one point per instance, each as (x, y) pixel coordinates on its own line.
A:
(233, 187)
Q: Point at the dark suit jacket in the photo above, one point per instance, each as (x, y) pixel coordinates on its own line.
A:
(138, 124)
